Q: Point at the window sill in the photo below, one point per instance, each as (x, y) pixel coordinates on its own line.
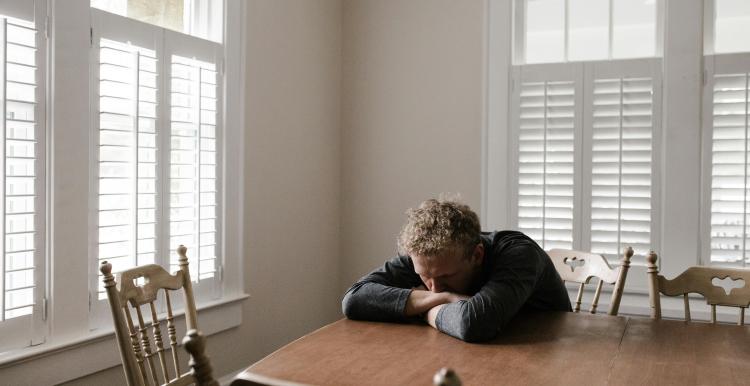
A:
(72, 358)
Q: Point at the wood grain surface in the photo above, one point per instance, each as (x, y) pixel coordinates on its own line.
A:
(535, 349)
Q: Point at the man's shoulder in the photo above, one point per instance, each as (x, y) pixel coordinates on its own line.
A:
(502, 240)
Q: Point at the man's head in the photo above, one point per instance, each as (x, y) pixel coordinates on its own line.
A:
(442, 238)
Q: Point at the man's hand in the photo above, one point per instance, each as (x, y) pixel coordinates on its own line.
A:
(432, 314)
(420, 300)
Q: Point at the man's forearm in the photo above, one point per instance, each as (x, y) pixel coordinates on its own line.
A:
(432, 314)
(421, 301)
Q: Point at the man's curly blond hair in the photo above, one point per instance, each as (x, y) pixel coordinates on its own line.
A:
(438, 225)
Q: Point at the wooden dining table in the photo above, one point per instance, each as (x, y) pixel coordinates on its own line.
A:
(546, 348)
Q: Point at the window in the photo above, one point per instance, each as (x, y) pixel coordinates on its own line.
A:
(139, 119)
(725, 119)
(157, 158)
(550, 31)
(23, 225)
(583, 133)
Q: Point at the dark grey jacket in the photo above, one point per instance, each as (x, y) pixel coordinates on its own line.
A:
(516, 274)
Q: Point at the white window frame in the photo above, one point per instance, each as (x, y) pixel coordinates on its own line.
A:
(67, 334)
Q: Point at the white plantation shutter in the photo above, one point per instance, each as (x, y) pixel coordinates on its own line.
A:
(727, 102)
(193, 163)
(157, 181)
(621, 154)
(584, 165)
(127, 155)
(127, 78)
(546, 160)
(23, 204)
(20, 158)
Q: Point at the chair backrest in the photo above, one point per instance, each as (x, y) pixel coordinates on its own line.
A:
(699, 280)
(580, 267)
(139, 358)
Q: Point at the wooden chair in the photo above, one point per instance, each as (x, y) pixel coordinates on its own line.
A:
(579, 267)
(699, 280)
(139, 358)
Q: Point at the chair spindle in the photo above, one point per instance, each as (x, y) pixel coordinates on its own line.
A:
(578, 298)
(742, 316)
(595, 302)
(713, 313)
(687, 307)
(136, 344)
(158, 342)
(172, 332)
(146, 344)
(653, 285)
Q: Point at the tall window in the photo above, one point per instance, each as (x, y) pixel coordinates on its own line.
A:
(22, 98)
(726, 140)
(156, 179)
(584, 132)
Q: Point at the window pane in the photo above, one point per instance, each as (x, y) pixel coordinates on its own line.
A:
(545, 31)
(732, 26)
(634, 28)
(201, 18)
(589, 29)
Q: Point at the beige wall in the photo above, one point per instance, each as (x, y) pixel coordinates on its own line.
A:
(411, 116)
(356, 110)
(292, 175)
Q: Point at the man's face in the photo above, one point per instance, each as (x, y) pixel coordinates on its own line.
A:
(450, 271)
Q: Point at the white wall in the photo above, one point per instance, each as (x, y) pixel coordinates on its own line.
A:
(292, 182)
(411, 117)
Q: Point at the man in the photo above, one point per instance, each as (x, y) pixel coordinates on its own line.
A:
(463, 282)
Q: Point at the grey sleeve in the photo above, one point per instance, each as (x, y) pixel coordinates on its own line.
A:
(381, 295)
(481, 317)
